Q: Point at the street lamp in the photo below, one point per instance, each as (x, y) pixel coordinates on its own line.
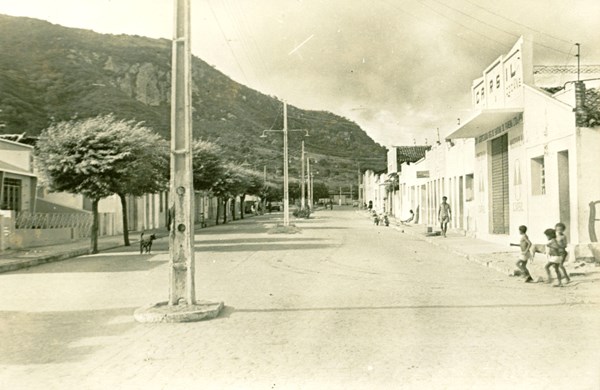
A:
(285, 131)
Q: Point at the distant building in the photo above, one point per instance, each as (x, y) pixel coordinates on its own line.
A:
(17, 181)
(534, 163)
(524, 156)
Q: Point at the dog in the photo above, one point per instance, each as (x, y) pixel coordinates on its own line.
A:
(146, 243)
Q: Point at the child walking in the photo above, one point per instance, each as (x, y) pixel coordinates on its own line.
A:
(554, 257)
(561, 239)
(525, 255)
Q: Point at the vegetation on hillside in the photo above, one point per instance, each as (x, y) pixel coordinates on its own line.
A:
(50, 73)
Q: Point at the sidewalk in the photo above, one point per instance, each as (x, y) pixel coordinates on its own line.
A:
(15, 259)
(492, 255)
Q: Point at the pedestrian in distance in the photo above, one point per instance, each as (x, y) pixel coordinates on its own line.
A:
(561, 239)
(525, 254)
(370, 205)
(444, 215)
(409, 219)
(554, 257)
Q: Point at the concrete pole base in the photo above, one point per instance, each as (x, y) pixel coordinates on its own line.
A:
(163, 312)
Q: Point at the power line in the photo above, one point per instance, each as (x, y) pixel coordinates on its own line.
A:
(227, 41)
(460, 24)
(518, 23)
(491, 25)
(436, 26)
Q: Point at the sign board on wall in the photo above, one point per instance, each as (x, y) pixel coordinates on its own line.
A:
(422, 174)
(502, 81)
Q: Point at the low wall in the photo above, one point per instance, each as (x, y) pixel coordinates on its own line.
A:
(48, 229)
(30, 238)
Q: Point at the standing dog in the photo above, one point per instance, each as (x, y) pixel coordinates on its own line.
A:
(146, 243)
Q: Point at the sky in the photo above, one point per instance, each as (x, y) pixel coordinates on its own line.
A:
(400, 68)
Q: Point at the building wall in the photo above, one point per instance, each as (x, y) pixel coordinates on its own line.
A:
(588, 195)
(28, 185)
(443, 172)
(19, 155)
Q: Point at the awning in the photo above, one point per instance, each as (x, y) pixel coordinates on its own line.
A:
(487, 120)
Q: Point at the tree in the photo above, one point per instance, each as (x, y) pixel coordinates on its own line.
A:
(208, 164)
(209, 170)
(84, 157)
(592, 107)
(223, 189)
(254, 185)
(321, 191)
(147, 171)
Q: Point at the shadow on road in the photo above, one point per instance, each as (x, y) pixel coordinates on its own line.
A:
(265, 246)
(55, 337)
(229, 310)
(258, 240)
(109, 262)
(323, 227)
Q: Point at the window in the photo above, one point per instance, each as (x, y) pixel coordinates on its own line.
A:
(11, 199)
(469, 195)
(538, 176)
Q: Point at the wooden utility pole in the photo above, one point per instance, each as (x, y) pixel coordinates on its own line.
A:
(181, 198)
(286, 191)
(360, 191)
(302, 182)
(310, 205)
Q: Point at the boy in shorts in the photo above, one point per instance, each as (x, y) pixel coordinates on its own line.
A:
(561, 239)
(525, 255)
(554, 257)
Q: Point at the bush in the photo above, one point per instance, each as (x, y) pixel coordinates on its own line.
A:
(302, 213)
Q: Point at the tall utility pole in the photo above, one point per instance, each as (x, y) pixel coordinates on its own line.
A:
(310, 205)
(360, 200)
(302, 183)
(181, 199)
(578, 55)
(286, 192)
(312, 188)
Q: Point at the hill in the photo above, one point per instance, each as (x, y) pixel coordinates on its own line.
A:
(52, 73)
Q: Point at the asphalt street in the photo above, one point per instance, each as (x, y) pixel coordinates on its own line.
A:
(344, 304)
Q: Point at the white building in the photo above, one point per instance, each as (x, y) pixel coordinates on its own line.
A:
(523, 157)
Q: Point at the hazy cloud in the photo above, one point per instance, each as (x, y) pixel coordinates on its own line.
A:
(400, 68)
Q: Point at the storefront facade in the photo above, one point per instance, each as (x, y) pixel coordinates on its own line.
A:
(533, 166)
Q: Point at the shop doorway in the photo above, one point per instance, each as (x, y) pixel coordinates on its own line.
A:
(500, 206)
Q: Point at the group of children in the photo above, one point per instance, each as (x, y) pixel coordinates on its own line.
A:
(555, 250)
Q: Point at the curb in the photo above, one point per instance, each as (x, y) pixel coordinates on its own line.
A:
(51, 258)
(508, 271)
(18, 264)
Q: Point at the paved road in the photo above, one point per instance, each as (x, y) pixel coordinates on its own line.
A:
(343, 305)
